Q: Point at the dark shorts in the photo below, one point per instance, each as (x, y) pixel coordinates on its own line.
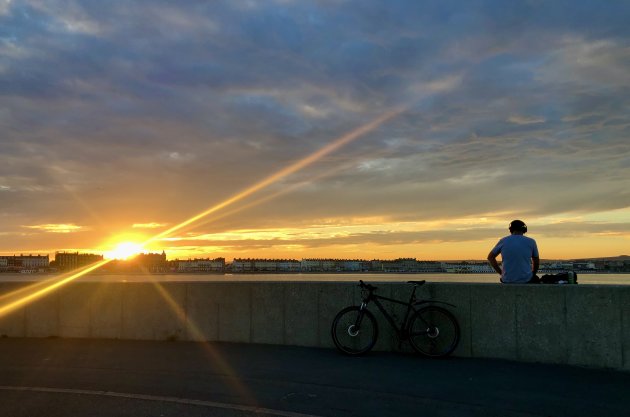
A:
(533, 280)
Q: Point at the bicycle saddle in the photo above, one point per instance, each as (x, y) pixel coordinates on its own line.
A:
(418, 283)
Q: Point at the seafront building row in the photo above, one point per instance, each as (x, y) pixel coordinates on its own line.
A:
(157, 263)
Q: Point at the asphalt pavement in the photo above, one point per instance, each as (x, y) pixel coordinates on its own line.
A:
(85, 377)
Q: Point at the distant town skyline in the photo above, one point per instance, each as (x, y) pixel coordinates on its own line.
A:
(157, 263)
(282, 129)
(131, 256)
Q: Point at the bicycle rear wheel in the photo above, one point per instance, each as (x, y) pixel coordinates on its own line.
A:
(434, 332)
(354, 331)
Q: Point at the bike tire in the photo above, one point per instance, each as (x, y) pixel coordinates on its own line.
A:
(347, 337)
(434, 332)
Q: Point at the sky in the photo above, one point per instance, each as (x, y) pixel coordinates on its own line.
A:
(312, 129)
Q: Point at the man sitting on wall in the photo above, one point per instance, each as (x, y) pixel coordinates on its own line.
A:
(519, 254)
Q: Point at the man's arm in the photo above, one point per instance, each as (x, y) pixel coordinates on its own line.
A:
(492, 258)
(536, 264)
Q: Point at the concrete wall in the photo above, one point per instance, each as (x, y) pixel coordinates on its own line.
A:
(578, 325)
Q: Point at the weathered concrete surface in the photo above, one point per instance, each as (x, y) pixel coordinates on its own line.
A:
(202, 313)
(74, 310)
(42, 316)
(13, 322)
(541, 324)
(330, 298)
(493, 321)
(153, 311)
(106, 310)
(624, 302)
(594, 327)
(583, 325)
(234, 313)
(267, 309)
(301, 314)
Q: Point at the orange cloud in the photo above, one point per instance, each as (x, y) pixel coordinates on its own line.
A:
(57, 228)
(148, 225)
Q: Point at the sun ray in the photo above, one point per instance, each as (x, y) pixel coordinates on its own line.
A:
(35, 292)
(124, 250)
(299, 165)
(197, 335)
(275, 195)
(127, 249)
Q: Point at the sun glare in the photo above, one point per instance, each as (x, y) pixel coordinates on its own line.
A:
(124, 250)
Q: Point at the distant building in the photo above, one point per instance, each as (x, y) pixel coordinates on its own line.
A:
(396, 265)
(334, 265)
(583, 265)
(480, 268)
(429, 266)
(201, 265)
(314, 265)
(353, 265)
(24, 263)
(289, 265)
(149, 262)
(242, 265)
(66, 261)
(265, 265)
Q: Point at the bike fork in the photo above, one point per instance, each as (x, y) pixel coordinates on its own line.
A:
(357, 323)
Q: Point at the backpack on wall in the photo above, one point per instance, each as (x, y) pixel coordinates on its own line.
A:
(561, 278)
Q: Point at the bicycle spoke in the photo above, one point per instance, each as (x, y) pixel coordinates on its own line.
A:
(354, 331)
(434, 332)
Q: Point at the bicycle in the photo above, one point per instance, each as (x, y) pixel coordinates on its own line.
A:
(431, 330)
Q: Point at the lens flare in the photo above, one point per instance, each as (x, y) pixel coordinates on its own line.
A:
(124, 250)
(128, 249)
(299, 165)
(197, 335)
(283, 191)
(12, 305)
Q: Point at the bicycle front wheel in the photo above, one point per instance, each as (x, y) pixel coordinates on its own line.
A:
(354, 331)
(434, 332)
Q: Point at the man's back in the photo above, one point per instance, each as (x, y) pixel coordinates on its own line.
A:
(516, 252)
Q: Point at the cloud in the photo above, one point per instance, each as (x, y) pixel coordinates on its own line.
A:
(572, 229)
(525, 120)
(600, 62)
(148, 225)
(310, 240)
(5, 7)
(134, 110)
(57, 228)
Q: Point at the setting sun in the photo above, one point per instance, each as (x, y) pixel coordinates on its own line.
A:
(124, 250)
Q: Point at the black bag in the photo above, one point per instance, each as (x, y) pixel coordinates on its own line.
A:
(561, 278)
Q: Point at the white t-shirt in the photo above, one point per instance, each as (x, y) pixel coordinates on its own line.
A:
(516, 253)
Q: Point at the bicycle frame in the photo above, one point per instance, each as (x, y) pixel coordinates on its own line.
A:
(411, 306)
